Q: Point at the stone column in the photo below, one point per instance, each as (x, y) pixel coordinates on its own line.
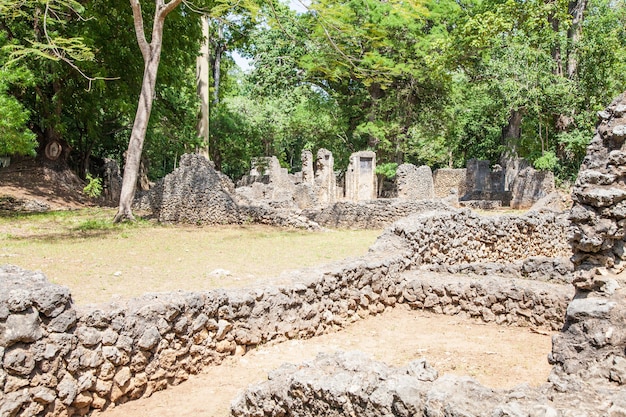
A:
(308, 176)
(325, 181)
(361, 177)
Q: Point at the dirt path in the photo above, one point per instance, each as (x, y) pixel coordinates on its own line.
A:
(499, 357)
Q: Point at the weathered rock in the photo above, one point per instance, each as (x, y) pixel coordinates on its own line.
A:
(591, 348)
(149, 338)
(24, 327)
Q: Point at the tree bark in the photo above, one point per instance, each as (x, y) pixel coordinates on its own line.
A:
(574, 33)
(512, 133)
(202, 82)
(217, 66)
(556, 47)
(216, 153)
(151, 53)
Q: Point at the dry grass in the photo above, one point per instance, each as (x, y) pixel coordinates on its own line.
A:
(98, 260)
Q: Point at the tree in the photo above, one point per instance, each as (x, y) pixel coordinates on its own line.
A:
(38, 31)
(15, 138)
(151, 53)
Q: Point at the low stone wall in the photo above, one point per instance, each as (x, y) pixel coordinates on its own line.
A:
(375, 214)
(58, 360)
(61, 360)
(503, 301)
(461, 236)
(351, 384)
(540, 268)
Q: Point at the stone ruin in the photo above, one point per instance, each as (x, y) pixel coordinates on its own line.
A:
(360, 178)
(588, 354)
(448, 181)
(514, 183)
(58, 359)
(591, 349)
(317, 196)
(196, 193)
(413, 183)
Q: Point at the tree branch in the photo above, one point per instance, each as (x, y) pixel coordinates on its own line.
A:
(168, 7)
(139, 31)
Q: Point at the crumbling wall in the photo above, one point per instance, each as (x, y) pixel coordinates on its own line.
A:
(462, 236)
(360, 177)
(325, 182)
(530, 186)
(196, 193)
(112, 182)
(447, 179)
(60, 360)
(351, 384)
(376, 214)
(415, 183)
(592, 346)
(193, 193)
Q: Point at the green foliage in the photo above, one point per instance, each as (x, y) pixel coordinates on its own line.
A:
(424, 81)
(93, 188)
(94, 225)
(387, 169)
(15, 137)
(546, 162)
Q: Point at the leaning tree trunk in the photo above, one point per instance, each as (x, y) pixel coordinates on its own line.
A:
(151, 53)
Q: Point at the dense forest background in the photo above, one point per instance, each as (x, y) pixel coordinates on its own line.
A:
(433, 82)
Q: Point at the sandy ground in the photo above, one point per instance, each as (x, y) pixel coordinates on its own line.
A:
(498, 357)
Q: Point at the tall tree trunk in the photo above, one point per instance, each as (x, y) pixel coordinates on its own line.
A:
(216, 153)
(151, 53)
(556, 47)
(202, 82)
(574, 33)
(512, 133)
(217, 66)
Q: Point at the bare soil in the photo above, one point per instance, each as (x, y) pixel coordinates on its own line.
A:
(498, 357)
(32, 179)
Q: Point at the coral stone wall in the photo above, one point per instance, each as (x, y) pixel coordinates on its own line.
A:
(61, 360)
(446, 179)
(592, 346)
(375, 214)
(461, 236)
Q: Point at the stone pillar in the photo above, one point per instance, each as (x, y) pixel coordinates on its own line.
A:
(325, 181)
(592, 346)
(415, 183)
(361, 177)
(308, 176)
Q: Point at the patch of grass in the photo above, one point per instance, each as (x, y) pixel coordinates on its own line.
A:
(84, 249)
(94, 224)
